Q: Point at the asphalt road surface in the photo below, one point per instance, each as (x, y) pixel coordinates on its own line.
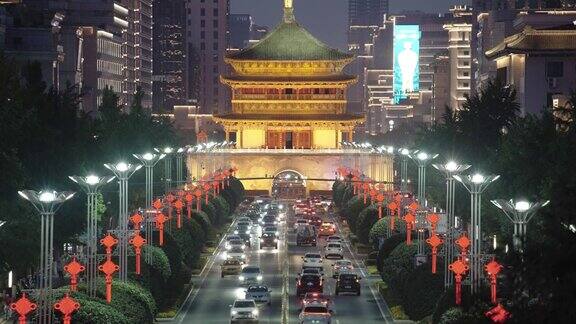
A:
(210, 301)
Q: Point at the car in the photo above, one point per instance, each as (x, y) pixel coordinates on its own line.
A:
(269, 240)
(316, 271)
(341, 266)
(300, 222)
(315, 313)
(259, 293)
(312, 260)
(268, 221)
(333, 250)
(244, 310)
(236, 243)
(327, 229)
(335, 239)
(306, 235)
(315, 298)
(235, 253)
(230, 238)
(244, 219)
(348, 282)
(270, 230)
(309, 283)
(230, 267)
(242, 229)
(315, 220)
(250, 274)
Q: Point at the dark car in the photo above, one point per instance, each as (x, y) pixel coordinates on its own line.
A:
(348, 283)
(306, 235)
(269, 220)
(268, 240)
(244, 232)
(309, 283)
(315, 220)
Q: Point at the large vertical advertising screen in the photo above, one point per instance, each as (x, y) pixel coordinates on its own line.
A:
(406, 60)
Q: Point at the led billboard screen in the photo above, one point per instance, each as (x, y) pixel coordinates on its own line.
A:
(406, 60)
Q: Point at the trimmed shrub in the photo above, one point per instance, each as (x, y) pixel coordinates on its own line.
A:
(159, 260)
(398, 265)
(131, 299)
(202, 219)
(228, 194)
(387, 247)
(380, 229)
(93, 310)
(222, 209)
(338, 189)
(351, 211)
(347, 195)
(210, 210)
(155, 274)
(422, 290)
(366, 219)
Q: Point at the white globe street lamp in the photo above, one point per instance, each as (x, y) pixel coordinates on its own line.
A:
(519, 213)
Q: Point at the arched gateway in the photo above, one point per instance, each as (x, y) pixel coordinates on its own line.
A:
(288, 184)
(289, 111)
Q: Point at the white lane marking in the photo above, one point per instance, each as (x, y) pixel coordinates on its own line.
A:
(376, 296)
(194, 292)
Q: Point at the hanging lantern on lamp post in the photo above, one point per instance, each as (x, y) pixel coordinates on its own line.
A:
(434, 242)
(459, 268)
(74, 268)
(67, 306)
(493, 268)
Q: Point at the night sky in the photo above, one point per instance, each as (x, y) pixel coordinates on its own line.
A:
(326, 19)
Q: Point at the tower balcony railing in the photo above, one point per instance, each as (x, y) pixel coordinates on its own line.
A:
(307, 151)
(289, 97)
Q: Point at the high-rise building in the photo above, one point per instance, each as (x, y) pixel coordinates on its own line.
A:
(207, 41)
(169, 80)
(364, 19)
(240, 27)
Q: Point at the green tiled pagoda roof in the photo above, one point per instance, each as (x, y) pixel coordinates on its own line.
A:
(289, 42)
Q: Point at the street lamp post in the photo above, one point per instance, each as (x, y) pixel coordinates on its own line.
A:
(179, 157)
(476, 184)
(422, 159)
(149, 160)
(46, 202)
(167, 151)
(519, 213)
(91, 185)
(123, 172)
(450, 169)
(404, 154)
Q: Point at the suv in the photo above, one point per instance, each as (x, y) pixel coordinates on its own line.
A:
(244, 310)
(309, 283)
(333, 250)
(260, 294)
(348, 282)
(268, 240)
(306, 235)
(315, 298)
(312, 260)
(315, 313)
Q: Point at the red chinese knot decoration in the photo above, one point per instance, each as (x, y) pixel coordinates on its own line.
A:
(67, 306)
(137, 241)
(434, 242)
(108, 268)
(498, 314)
(23, 306)
(159, 221)
(493, 268)
(459, 268)
(410, 219)
(74, 268)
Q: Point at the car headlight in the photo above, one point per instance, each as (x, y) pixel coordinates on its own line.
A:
(234, 312)
(235, 232)
(243, 256)
(241, 278)
(247, 232)
(255, 312)
(275, 240)
(261, 241)
(259, 278)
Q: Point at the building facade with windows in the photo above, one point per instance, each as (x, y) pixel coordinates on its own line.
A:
(207, 41)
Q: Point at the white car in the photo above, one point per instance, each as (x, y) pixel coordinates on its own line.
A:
(259, 293)
(236, 243)
(235, 253)
(231, 238)
(341, 266)
(300, 222)
(312, 260)
(314, 271)
(243, 310)
(270, 230)
(334, 239)
(315, 313)
(250, 275)
(334, 250)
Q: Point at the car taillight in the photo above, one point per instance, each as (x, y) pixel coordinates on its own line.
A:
(298, 282)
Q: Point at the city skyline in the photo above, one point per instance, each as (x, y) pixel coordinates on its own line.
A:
(333, 31)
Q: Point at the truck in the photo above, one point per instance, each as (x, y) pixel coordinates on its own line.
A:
(306, 235)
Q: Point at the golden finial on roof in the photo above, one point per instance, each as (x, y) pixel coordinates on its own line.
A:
(288, 11)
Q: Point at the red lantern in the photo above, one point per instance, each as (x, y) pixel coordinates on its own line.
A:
(67, 306)
(366, 189)
(380, 199)
(410, 219)
(355, 184)
(169, 199)
(215, 186)
(108, 268)
(109, 241)
(178, 205)
(74, 268)
(392, 206)
(493, 268)
(463, 243)
(413, 207)
(459, 268)
(198, 194)
(206, 188)
(434, 242)
(159, 221)
(137, 241)
(137, 219)
(23, 306)
(157, 204)
(498, 314)
(189, 197)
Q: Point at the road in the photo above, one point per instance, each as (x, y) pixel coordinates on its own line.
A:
(209, 302)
